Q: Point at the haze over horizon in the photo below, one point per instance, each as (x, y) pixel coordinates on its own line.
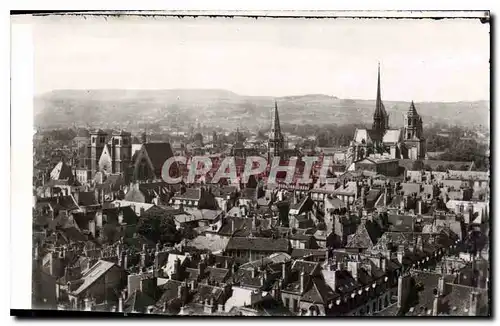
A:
(421, 60)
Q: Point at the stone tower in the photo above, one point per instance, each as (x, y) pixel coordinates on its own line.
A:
(97, 143)
(413, 134)
(121, 151)
(380, 117)
(276, 142)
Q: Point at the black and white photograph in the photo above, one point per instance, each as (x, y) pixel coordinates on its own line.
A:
(291, 164)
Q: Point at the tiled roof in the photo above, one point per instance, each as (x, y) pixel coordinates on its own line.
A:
(60, 202)
(258, 244)
(92, 274)
(137, 301)
(158, 153)
(87, 198)
(279, 257)
(365, 236)
(61, 171)
(319, 292)
(300, 253)
(392, 136)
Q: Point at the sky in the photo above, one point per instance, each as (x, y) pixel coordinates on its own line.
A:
(420, 59)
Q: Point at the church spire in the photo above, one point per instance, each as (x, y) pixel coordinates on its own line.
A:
(276, 140)
(276, 120)
(412, 111)
(380, 118)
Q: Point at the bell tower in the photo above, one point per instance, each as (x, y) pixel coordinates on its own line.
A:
(413, 134)
(380, 117)
(121, 151)
(97, 143)
(276, 142)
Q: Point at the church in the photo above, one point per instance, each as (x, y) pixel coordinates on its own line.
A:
(400, 143)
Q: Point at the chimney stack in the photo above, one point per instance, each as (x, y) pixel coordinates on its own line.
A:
(473, 303)
(400, 254)
(435, 303)
(383, 264)
(201, 268)
(120, 304)
(302, 282)
(284, 272)
(419, 246)
(353, 267)
(403, 289)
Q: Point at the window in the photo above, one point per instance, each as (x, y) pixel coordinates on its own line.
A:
(116, 141)
(93, 140)
(287, 302)
(409, 122)
(125, 141)
(295, 305)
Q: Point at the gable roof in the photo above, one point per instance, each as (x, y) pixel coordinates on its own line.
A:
(392, 136)
(92, 274)
(158, 153)
(258, 244)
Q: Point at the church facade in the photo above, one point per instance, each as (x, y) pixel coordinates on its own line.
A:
(396, 143)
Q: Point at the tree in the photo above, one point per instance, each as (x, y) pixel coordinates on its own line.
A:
(440, 168)
(159, 229)
(417, 165)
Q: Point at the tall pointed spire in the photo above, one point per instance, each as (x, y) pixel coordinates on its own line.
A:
(380, 117)
(379, 96)
(412, 111)
(276, 120)
(276, 140)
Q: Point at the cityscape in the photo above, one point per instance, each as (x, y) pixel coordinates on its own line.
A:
(270, 209)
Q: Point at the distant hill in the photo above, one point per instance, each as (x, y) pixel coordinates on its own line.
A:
(216, 107)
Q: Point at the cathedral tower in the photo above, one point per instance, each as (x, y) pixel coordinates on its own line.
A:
(97, 143)
(413, 134)
(276, 142)
(380, 117)
(121, 151)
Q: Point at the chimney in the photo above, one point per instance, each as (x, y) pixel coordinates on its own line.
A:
(232, 226)
(276, 292)
(435, 303)
(208, 307)
(120, 304)
(419, 245)
(125, 260)
(165, 307)
(143, 259)
(284, 272)
(201, 268)
(181, 292)
(177, 268)
(383, 264)
(193, 285)
(403, 289)
(37, 251)
(353, 267)
(400, 254)
(87, 304)
(441, 286)
(254, 272)
(473, 303)
(302, 282)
